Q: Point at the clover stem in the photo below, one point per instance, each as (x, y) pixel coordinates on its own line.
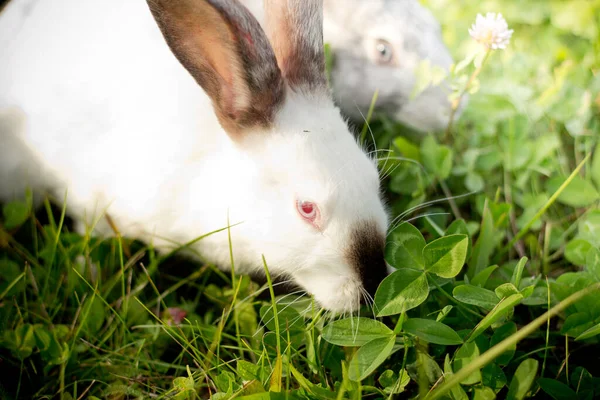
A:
(452, 299)
(456, 102)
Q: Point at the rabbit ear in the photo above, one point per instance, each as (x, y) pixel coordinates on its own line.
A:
(224, 48)
(295, 28)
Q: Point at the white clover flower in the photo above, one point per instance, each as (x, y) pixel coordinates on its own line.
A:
(491, 31)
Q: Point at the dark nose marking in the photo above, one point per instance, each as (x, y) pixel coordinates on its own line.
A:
(365, 255)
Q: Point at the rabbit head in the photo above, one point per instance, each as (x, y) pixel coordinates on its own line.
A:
(378, 44)
(295, 185)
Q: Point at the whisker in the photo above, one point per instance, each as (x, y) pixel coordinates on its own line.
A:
(427, 215)
(378, 151)
(409, 160)
(389, 172)
(370, 130)
(281, 310)
(427, 203)
(258, 291)
(385, 173)
(301, 314)
(305, 311)
(397, 220)
(358, 320)
(265, 287)
(279, 300)
(369, 299)
(368, 126)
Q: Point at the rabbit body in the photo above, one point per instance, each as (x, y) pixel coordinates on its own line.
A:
(94, 104)
(88, 101)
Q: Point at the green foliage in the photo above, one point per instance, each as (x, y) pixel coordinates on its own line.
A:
(370, 356)
(431, 331)
(522, 379)
(446, 256)
(497, 222)
(476, 296)
(355, 331)
(401, 291)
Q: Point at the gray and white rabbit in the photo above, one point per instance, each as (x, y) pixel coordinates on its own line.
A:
(180, 118)
(379, 45)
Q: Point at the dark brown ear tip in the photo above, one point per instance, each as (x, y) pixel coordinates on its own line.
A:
(226, 51)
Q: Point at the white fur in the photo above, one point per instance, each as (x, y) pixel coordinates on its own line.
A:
(93, 101)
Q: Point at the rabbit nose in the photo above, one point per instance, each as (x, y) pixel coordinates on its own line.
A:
(373, 272)
(365, 255)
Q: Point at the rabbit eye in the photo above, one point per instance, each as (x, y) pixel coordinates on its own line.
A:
(308, 210)
(384, 52)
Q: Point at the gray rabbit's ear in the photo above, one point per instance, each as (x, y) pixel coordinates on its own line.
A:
(226, 51)
(295, 28)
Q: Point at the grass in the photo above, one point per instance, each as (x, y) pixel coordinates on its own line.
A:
(496, 241)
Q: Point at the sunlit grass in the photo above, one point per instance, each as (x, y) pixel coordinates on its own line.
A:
(508, 200)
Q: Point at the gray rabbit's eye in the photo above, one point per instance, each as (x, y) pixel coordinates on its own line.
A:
(385, 53)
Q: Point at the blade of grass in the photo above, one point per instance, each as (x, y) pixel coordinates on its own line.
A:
(273, 302)
(125, 302)
(117, 315)
(236, 318)
(55, 239)
(215, 347)
(547, 331)
(10, 286)
(365, 128)
(177, 337)
(567, 358)
(544, 208)
(501, 347)
(191, 242)
(275, 316)
(117, 276)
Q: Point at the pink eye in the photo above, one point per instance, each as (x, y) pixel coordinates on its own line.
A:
(308, 210)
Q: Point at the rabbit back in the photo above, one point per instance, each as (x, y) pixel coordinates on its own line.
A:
(119, 100)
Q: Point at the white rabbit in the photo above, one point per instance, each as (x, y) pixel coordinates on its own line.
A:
(93, 101)
(378, 45)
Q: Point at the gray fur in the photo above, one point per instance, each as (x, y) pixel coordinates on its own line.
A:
(415, 36)
(351, 28)
(295, 29)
